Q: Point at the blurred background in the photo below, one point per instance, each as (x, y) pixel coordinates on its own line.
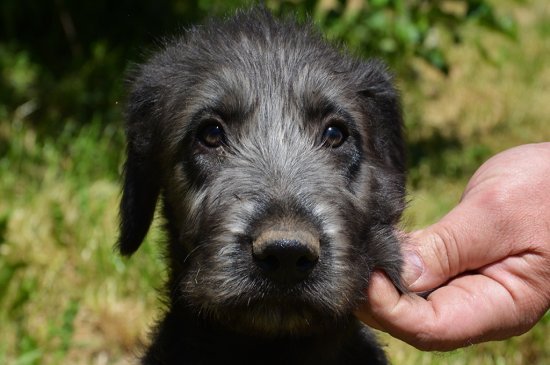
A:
(475, 80)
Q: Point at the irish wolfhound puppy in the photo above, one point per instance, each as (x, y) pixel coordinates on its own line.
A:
(279, 163)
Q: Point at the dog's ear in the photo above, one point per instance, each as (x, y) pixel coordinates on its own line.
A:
(141, 185)
(385, 121)
(137, 207)
(386, 141)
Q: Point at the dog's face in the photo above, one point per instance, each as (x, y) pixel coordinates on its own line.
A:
(280, 165)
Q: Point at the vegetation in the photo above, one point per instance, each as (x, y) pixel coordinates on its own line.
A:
(474, 78)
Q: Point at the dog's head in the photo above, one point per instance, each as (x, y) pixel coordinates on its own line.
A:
(280, 164)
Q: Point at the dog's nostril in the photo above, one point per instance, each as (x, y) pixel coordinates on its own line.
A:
(269, 263)
(286, 261)
(305, 264)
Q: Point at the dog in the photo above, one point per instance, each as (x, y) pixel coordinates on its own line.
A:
(279, 161)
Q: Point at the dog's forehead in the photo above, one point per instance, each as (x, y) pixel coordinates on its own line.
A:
(281, 74)
(274, 82)
(257, 58)
(285, 85)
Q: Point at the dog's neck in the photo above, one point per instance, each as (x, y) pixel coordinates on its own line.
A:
(182, 334)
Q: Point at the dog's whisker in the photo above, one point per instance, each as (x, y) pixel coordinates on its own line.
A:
(192, 251)
(197, 275)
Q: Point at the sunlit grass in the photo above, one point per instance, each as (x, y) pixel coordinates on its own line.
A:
(64, 293)
(67, 298)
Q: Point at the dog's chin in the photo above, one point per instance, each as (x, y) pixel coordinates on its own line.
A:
(275, 320)
(266, 309)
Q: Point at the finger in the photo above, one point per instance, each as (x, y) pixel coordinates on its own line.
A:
(381, 293)
(387, 310)
(498, 216)
(461, 241)
(436, 323)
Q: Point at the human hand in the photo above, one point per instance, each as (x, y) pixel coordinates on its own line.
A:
(488, 261)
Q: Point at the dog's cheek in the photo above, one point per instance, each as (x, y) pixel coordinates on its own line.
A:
(187, 194)
(364, 248)
(216, 276)
(217, 266)
(344, 266)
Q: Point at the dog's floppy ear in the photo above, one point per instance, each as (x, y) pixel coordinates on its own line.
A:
(137, 207)
(386, 141)
(384, 109)
(141, 179)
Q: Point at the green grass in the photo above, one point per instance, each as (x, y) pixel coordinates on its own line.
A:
(67, 298)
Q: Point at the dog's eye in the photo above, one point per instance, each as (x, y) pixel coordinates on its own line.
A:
(334, 135)
(212, 135)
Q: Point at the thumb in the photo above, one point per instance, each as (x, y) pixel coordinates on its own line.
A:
(466, 239)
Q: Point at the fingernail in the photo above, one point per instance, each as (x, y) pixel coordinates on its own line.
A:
(413, 268)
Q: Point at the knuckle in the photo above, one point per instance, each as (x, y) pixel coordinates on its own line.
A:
(445, 248)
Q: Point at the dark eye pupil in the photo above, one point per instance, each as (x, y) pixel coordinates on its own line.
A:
(212, 135)
(333, 136)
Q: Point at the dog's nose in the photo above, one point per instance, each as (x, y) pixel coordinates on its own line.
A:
(286, 260)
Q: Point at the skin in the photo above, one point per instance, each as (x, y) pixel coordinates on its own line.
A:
(486, 263)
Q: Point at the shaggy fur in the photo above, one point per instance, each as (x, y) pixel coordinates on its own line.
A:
(250, 128)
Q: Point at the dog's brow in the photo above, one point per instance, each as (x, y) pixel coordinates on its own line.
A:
(317, 107)
(228, 111)
(320, 108)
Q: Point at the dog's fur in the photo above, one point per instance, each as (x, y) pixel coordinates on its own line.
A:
(275, 87)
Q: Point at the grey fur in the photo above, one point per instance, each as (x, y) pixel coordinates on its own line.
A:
(274, 86)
